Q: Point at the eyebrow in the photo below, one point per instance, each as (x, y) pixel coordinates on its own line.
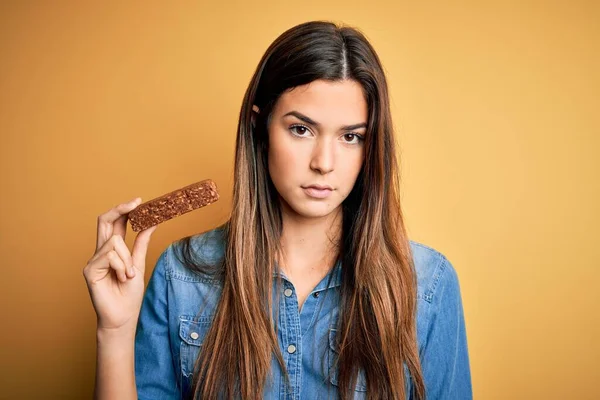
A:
(308, 120)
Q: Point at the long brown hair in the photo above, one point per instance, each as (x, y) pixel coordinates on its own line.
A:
(377, 310)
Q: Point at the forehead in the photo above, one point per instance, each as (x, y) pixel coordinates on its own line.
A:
(330, 103)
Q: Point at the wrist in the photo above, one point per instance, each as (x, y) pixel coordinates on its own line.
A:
(125, 333)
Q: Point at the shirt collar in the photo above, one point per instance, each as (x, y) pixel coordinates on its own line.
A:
(335, 273)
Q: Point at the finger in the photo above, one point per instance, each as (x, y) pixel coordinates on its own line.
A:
(120, 225)
(116, 243)
(98, 269)
(107, 220)
(140, 248)
(117, 264)
(124, 254)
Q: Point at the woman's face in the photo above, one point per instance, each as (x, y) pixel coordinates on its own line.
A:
(316, 138)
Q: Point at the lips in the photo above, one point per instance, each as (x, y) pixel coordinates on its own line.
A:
(318, 191)
(319, 187)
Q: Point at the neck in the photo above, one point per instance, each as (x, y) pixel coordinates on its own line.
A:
(309, 244)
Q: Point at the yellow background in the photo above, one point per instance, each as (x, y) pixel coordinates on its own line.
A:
(496, 106)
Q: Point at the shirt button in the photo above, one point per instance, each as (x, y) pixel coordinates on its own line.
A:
(316, 294)
(194, 335)
(291, 349)
(287, 292)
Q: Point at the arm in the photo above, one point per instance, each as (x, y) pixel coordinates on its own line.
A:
(114, 365)
(117, 375)
(445, 358)
(115, 280)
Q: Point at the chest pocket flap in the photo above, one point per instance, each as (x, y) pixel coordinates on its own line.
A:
(192, 331)
(361, 380)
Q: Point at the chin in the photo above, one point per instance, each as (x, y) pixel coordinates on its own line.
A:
(314, 210)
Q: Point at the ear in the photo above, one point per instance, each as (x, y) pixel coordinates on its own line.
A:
(255, 111)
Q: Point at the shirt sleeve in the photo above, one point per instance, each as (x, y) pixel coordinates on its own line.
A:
(444, 357)
(154, 369)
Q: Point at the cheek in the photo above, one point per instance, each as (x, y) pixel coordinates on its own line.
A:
(283, 158)
(351, 168)
(348, 174)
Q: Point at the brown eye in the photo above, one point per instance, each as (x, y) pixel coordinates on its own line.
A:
(299, 130)
(351, 137)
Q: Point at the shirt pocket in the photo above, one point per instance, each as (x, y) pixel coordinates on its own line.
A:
(192, 331)
(361, 381)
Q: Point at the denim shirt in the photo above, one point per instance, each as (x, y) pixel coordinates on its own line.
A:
(179, 305)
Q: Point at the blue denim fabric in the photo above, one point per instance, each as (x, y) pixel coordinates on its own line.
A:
(178, 307)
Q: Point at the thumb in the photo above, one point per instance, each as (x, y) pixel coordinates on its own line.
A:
(140, 248)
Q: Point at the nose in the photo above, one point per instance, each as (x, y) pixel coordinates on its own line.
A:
(323, 157)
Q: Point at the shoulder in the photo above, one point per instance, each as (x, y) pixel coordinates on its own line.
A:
(435, 273)
(441, 332)
(208, 246)
(203, 248)
(182, 281)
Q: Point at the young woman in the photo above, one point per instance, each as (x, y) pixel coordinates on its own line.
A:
(311, 290)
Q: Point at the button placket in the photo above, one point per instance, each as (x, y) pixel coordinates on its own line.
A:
(291, 344)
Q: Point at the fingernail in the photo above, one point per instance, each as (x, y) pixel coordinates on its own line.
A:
(132, 271)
